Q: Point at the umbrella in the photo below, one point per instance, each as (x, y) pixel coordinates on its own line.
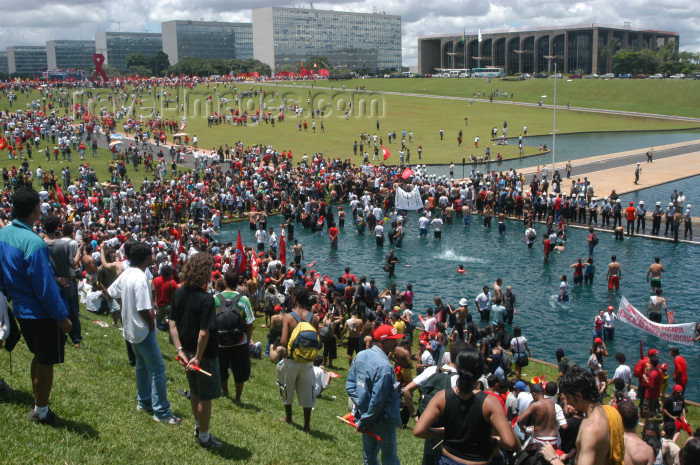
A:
(116, 142)
(117, 136)
(180, 134)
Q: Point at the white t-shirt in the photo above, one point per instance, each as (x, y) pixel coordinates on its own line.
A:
(261, 236)
(623, 372)
(320, 381)
(430, 324)
(430, 371)
(423, 222)
(609, 319)
(132, 288)
(437, 224)
(523, 402)
(427, 358)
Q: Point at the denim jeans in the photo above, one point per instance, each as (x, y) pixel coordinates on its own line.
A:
(387, 446)
(150, 377)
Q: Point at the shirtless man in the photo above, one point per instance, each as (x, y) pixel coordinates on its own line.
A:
(597, 442)
(497, 292)
(461, 312)
(614, 274)
(292, 375)
(654, 309)
(637, 452)
(543, 417)
(655, 270)
(354, 327)
(298, 252)
(88, 264)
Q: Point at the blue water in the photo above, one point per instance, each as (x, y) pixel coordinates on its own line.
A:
(662, 193)
(430, 265)
(577, 146)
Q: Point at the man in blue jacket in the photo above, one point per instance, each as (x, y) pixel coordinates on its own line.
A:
(27, 278)
(372, 387)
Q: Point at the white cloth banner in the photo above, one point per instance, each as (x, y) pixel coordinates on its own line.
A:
(408, 200)
(681, 334)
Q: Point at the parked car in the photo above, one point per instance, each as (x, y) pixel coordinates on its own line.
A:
(575, 76)
(608, 76)
(525, 76)
(678, 76)
(639, 76)
(656, 76)
(591, 76)
(556, 76)
(625, 76)
(541, 76)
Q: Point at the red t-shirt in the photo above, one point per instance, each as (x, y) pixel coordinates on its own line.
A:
(630, 211)
(333, 232)
(654, 388)
(164, 290)
(680, 374)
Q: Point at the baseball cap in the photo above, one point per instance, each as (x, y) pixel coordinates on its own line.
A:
(677, 388)
(385, 332)
(278, 308)
(598, 341)
(658, 204)
(631, 203)
(463, 301)
(610, 307)
(652, 352)
(520, 385)
(664, 366)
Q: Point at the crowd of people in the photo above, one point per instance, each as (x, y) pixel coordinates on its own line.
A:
(148, 256)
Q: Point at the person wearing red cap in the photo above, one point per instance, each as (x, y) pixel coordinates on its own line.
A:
(674, 407)
(370, 386)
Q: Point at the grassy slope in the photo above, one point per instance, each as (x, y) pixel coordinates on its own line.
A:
(95, 392)
(424, 116)
(669, 97)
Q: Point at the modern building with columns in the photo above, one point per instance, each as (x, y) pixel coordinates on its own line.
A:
(583, 48)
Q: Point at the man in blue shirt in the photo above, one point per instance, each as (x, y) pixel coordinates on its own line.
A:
(371, 385)
(27, 278)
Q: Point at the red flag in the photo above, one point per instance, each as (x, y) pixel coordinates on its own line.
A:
(241, 261)
(61, 198)
(3, 143)
(283, 250)
(407, 173)
(386, 153)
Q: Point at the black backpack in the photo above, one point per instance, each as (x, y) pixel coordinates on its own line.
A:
(229, 323)
(439, 381)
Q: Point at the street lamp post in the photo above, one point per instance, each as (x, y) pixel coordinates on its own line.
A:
(554, 122)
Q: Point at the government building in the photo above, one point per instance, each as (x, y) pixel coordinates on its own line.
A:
(291, 36)
(207, 40)
(584, 48)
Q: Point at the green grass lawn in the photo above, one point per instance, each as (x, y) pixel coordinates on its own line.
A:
(424, 116)
(95, 393)
(667, 97)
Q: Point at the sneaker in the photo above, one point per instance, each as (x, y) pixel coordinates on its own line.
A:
(50, 419)
(211, 443)
(196, 431)
(171, 420)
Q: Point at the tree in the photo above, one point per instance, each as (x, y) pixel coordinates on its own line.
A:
(642, 62)
(608, 51)
(137, 60)
(159, 63)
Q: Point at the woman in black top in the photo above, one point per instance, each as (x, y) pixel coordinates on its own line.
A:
(469, 416)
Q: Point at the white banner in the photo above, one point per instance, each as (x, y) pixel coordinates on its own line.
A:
(408, 200)
(681, 334)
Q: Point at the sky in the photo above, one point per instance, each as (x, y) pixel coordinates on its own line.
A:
(33, 22)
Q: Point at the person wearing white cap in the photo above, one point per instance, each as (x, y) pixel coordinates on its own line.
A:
(641, 220)
(593, 211)
(688, 222)
(656, 219)
(670, 211)
(637, 172)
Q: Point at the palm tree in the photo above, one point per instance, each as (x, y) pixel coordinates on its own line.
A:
(608, 51)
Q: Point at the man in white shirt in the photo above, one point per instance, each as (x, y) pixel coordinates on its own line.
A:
(134, 292)
(483, 303)
(437, 227)
(623, 371)
(273, 240)
(423, 223)
(379, 233)
(261, 237)
(609, 318)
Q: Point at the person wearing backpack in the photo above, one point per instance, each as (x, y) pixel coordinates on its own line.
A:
(234, 331)
(370, 386)
(431, 381)
(302, 342)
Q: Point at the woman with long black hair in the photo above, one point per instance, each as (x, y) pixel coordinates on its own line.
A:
(471, 418)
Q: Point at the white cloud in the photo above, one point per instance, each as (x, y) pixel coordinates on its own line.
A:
(33, 22)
